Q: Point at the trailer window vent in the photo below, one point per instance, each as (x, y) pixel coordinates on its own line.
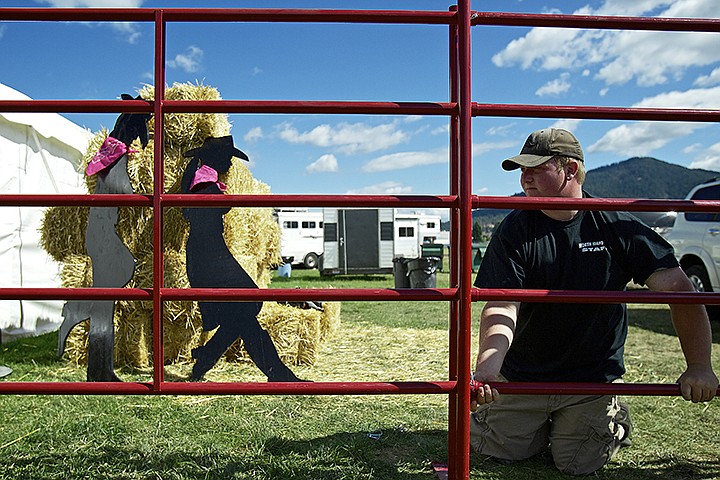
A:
(386, 231)
(330, 232)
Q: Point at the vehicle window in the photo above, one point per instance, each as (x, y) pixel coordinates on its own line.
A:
(709, 193)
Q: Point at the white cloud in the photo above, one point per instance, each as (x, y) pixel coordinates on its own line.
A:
(542, 48)
(384, 188)
(189, 61)
(126, 29)
(402, 160)
(623, 7)
(326, 163)
(555, 87)
(486, 147)
(567, 124)
(708, 80)
(348, 138)
(671, 53)
(692, 148)
(501, 130)
(256, 71)
(648, 58)
(253, 135)
(693, 98)
(692, 8)
(442, 130)
(641, 138)
(709, 159)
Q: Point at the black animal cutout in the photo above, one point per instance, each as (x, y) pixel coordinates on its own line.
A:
(112, 263)
(211, 265)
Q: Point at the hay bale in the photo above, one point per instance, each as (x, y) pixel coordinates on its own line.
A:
(252, 234)
(329, 320)
(62, 232)
(76, 271)
(296, 332)
(133, 334)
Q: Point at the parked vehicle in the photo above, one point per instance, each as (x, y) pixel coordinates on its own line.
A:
(661, 222)
(696, 239)
(301, 236)
(358, 241)
(367, 240)
(412, 230)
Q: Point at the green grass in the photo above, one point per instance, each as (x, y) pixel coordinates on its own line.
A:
(326, 437)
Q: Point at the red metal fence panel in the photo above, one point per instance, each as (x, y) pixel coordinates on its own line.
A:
(459, 108)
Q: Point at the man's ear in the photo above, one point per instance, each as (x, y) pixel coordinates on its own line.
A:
(572, 168)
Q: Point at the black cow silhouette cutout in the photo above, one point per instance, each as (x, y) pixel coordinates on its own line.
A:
(210, 264)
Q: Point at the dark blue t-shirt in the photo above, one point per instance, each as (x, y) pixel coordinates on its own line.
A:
(570, 342)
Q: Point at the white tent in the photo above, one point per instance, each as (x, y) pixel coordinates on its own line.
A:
(40, 153)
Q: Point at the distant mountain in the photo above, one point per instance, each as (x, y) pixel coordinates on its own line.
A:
(638, 177)
(644, 177)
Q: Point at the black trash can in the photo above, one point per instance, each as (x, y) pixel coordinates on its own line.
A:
(423, 272)
(436, 250)
(400, 272)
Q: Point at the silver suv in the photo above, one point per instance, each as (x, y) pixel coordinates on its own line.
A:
(696, 239)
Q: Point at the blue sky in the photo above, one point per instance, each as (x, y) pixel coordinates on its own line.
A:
(391, 154)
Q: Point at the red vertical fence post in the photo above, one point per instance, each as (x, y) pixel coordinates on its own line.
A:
(460, 464)
(454, 264)
(158, 212)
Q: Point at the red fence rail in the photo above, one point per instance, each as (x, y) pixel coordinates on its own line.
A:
(459, 109)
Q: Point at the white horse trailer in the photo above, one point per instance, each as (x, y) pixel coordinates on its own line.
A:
(412, 230)
(358, 241)
(361, 241)
(301, 236)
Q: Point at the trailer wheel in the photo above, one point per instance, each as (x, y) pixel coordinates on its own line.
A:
(310, 260)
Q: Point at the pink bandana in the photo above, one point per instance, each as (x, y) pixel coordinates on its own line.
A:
(110, 151)
(206, 174)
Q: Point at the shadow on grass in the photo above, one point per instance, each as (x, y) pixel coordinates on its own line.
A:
(658, 320)
(665, 468)
(389, 454)
(396, 455)
(542, 468)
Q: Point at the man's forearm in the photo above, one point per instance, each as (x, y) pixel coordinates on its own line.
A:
(693, 330)
(497, 327)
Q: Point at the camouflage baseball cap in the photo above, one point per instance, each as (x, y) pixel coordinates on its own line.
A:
(543, 145)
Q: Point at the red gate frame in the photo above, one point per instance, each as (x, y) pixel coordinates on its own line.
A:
(459, 109)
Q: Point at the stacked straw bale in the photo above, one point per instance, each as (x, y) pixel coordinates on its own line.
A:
(252, 234)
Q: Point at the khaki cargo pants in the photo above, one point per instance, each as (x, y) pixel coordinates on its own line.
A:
(580, 432)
